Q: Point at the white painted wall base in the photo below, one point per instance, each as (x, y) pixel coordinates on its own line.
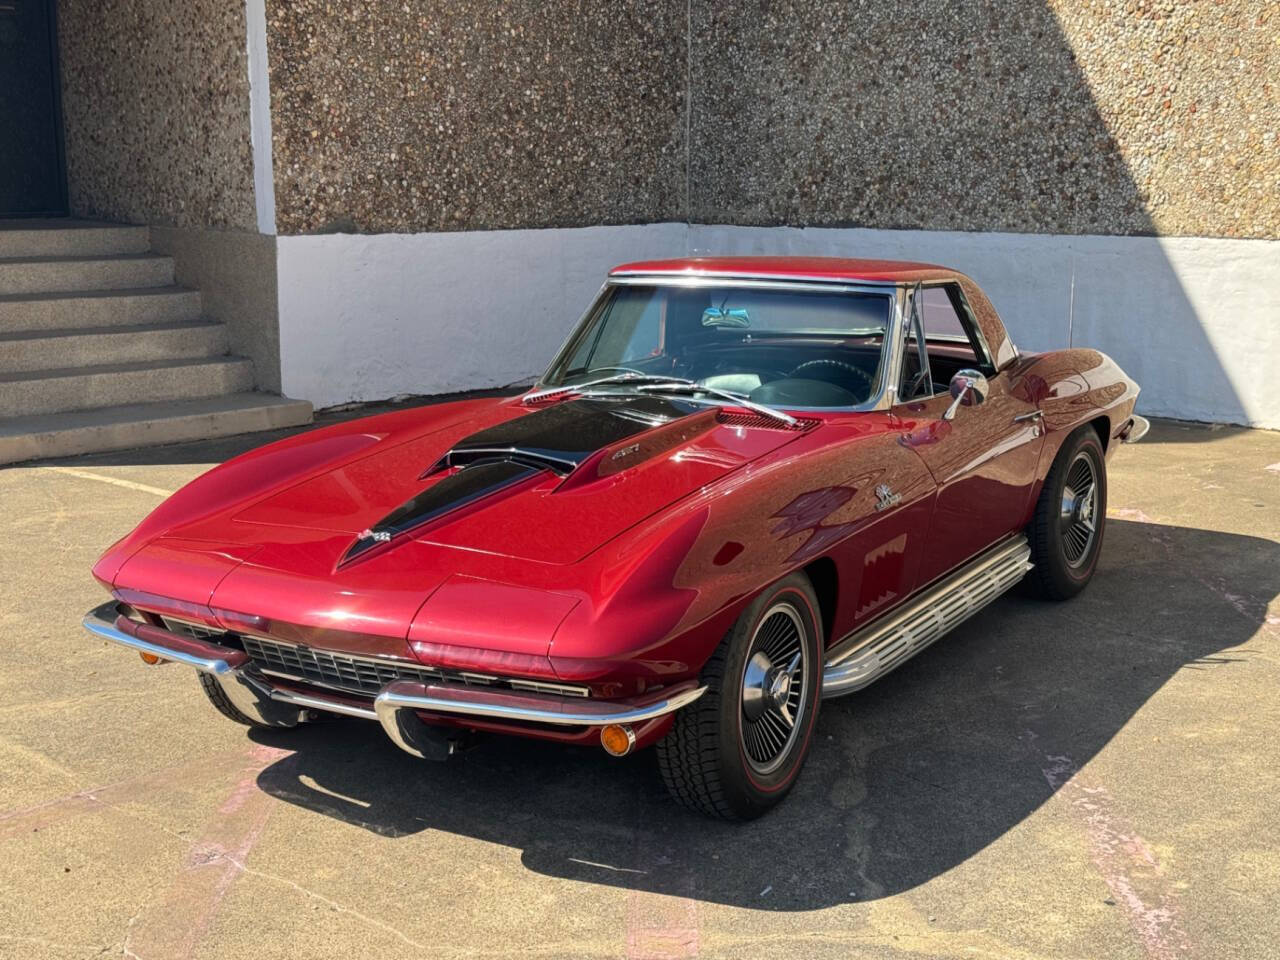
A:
(372, 317)
(1195, 321)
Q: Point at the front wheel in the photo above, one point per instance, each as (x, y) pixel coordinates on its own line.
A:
(738, 749)
(1066, 529)
(218, 697)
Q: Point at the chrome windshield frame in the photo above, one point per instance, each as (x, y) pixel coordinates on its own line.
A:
(890, 359)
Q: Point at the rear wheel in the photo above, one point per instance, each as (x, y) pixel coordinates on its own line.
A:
(738, 749)
(1066, 530)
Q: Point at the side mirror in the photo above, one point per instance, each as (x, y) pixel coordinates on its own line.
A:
(968, 388)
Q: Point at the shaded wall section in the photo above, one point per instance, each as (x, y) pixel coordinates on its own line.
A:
(1188, 91)
(1027, 116)
(235, 272)
(469, 114)
(156, 111)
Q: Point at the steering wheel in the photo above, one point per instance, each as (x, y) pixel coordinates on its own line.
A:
(827, 362)
(914, 387)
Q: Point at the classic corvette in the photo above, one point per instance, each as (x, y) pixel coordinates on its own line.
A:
(743, 485)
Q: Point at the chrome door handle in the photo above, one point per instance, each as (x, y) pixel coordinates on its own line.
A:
(1033, 415)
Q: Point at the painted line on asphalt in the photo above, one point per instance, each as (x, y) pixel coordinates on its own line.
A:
(1139, 881)
(114, 481)
(176, 923)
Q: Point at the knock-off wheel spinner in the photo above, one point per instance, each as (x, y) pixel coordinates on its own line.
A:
(774, 688)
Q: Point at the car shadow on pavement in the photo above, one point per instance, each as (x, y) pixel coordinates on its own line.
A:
(907, 779)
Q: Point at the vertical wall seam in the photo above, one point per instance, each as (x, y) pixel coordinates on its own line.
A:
(264, 188)
(1071, 305)
(688, 111)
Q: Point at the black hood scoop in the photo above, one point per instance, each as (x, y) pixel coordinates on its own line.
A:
(561, 437)
(451, 492)
(510, 454)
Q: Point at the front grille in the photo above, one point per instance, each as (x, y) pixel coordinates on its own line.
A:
(368, 675)
(336, 670)
(186, 628)
(352, 674)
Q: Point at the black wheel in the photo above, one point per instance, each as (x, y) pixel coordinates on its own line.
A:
(213, 690)
(1066, 529)
(737, 750)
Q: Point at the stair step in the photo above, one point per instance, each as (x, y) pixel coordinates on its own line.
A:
(67, 238)
(98, 308)
(66, 274)
(142, 343)
(146, 424)
(109, 385)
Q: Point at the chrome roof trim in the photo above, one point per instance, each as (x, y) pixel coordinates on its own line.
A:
(770, 281)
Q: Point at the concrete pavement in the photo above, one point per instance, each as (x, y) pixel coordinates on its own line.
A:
(1089, 779)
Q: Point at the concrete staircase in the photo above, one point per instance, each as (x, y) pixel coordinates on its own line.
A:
(100, 350)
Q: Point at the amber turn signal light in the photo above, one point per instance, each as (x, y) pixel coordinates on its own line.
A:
(617, 739)
(149, 658)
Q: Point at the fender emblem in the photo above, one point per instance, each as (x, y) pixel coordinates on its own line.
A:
(886, 497)
(625, 451)
(382, 536)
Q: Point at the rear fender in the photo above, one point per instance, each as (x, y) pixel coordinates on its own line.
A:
(1072, 388)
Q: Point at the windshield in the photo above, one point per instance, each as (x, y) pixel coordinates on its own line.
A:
(787, 347)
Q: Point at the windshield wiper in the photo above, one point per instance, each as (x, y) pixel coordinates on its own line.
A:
(689, 386)
(664, 384)
(627, 376)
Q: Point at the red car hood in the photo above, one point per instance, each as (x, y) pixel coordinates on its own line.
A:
(573, 494)
(584, 472)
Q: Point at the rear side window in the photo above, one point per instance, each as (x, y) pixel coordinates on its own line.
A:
(946, 329)
(940, 317)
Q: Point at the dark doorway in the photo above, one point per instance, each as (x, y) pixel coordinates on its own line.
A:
(31, 175)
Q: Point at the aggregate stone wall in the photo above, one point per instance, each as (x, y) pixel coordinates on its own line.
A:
(1190, 92)
(1068, 116)
(1044, 116)
(472, 114)
(155, 98)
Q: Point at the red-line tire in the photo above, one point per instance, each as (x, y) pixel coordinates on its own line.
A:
(704, 759)
(1057, 575)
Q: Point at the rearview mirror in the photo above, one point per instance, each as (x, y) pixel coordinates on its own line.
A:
(968, 388)
(720, 317)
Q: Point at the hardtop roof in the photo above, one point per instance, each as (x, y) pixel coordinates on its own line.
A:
(792, 268)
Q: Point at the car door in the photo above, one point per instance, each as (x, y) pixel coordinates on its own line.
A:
(984, 459)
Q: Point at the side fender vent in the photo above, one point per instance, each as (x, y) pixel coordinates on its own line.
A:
(757, 421)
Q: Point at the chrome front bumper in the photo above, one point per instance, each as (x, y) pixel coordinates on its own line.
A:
(396, 706)
(1136, 429)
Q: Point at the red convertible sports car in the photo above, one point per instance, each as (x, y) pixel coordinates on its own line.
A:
(743, 485)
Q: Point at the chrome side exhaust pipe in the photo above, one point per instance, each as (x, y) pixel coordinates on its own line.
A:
(868, 654)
